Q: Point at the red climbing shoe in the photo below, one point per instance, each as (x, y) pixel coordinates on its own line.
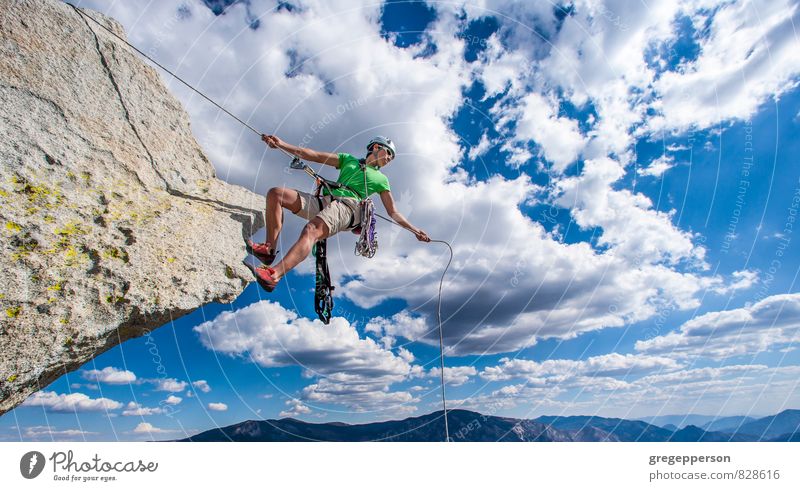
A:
(264, 277)
(263, 252)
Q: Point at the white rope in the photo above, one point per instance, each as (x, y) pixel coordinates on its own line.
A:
(438, 321)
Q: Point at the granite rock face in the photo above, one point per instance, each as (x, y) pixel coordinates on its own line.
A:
(112, 220)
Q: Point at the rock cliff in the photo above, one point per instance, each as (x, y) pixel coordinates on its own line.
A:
(112, 219)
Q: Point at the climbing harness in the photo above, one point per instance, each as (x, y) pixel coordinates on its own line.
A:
(296, 163)
(366, 245)
(323, 289)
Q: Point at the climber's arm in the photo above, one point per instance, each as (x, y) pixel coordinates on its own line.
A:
(388, 202)
(326, 158)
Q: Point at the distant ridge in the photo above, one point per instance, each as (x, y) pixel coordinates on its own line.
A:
(784, 423)
(470, 426)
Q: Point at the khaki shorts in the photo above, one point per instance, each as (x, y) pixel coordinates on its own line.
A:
(339, 215)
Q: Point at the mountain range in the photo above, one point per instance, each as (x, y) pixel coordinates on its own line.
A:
(475, 427)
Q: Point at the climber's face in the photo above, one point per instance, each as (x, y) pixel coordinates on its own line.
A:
(379, 155)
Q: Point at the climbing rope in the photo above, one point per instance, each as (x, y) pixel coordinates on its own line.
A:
(441, 281)
(367, 243)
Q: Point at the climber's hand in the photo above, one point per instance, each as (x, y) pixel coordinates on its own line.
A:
(422, 236)
(272, 140)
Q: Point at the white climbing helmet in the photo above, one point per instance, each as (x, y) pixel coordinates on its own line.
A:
(384, 142)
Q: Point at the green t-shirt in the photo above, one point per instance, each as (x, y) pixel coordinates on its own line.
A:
(350, 174)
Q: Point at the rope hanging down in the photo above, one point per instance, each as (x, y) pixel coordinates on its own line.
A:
(441, 281)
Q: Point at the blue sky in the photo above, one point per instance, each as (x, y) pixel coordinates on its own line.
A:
(617, 181)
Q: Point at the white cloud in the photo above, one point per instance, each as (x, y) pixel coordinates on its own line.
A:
(296, 408)
(594, 204)
(202, 386)
(274, 336)
(217, 406)
(168, 384)
(740, 280)
(110, 375)
(610, 365)
(748, 57)
(536, 119)
(358, 395)
(51, 433)
(173, 400)
(454, 376)
(658, 167)
(770, 324)
(76, 386)
(402, 324)
(67, 403)
(147, 428)
(722, 391)
(136, 409)
(481, 148)
(513, 283)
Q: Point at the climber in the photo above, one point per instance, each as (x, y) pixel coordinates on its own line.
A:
(328, 214)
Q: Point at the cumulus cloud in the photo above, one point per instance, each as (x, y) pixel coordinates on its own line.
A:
(768, 325)
(480, 149)
(740, 280)
(202, 386)
(722, 391)
(296, 408)
(168, 384)
(274, 336)
(657, 167)
(217, 406)
(536, 119)
(594, 204)
(136, 409)
(609, 365)
(748, 57)
(147, 428)
(51, 433)
(110, 375)
(353, 370)
(76, 386)
(173, 400)
(359, 395)
(68, 403)
(402, 324)
(454, 376)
